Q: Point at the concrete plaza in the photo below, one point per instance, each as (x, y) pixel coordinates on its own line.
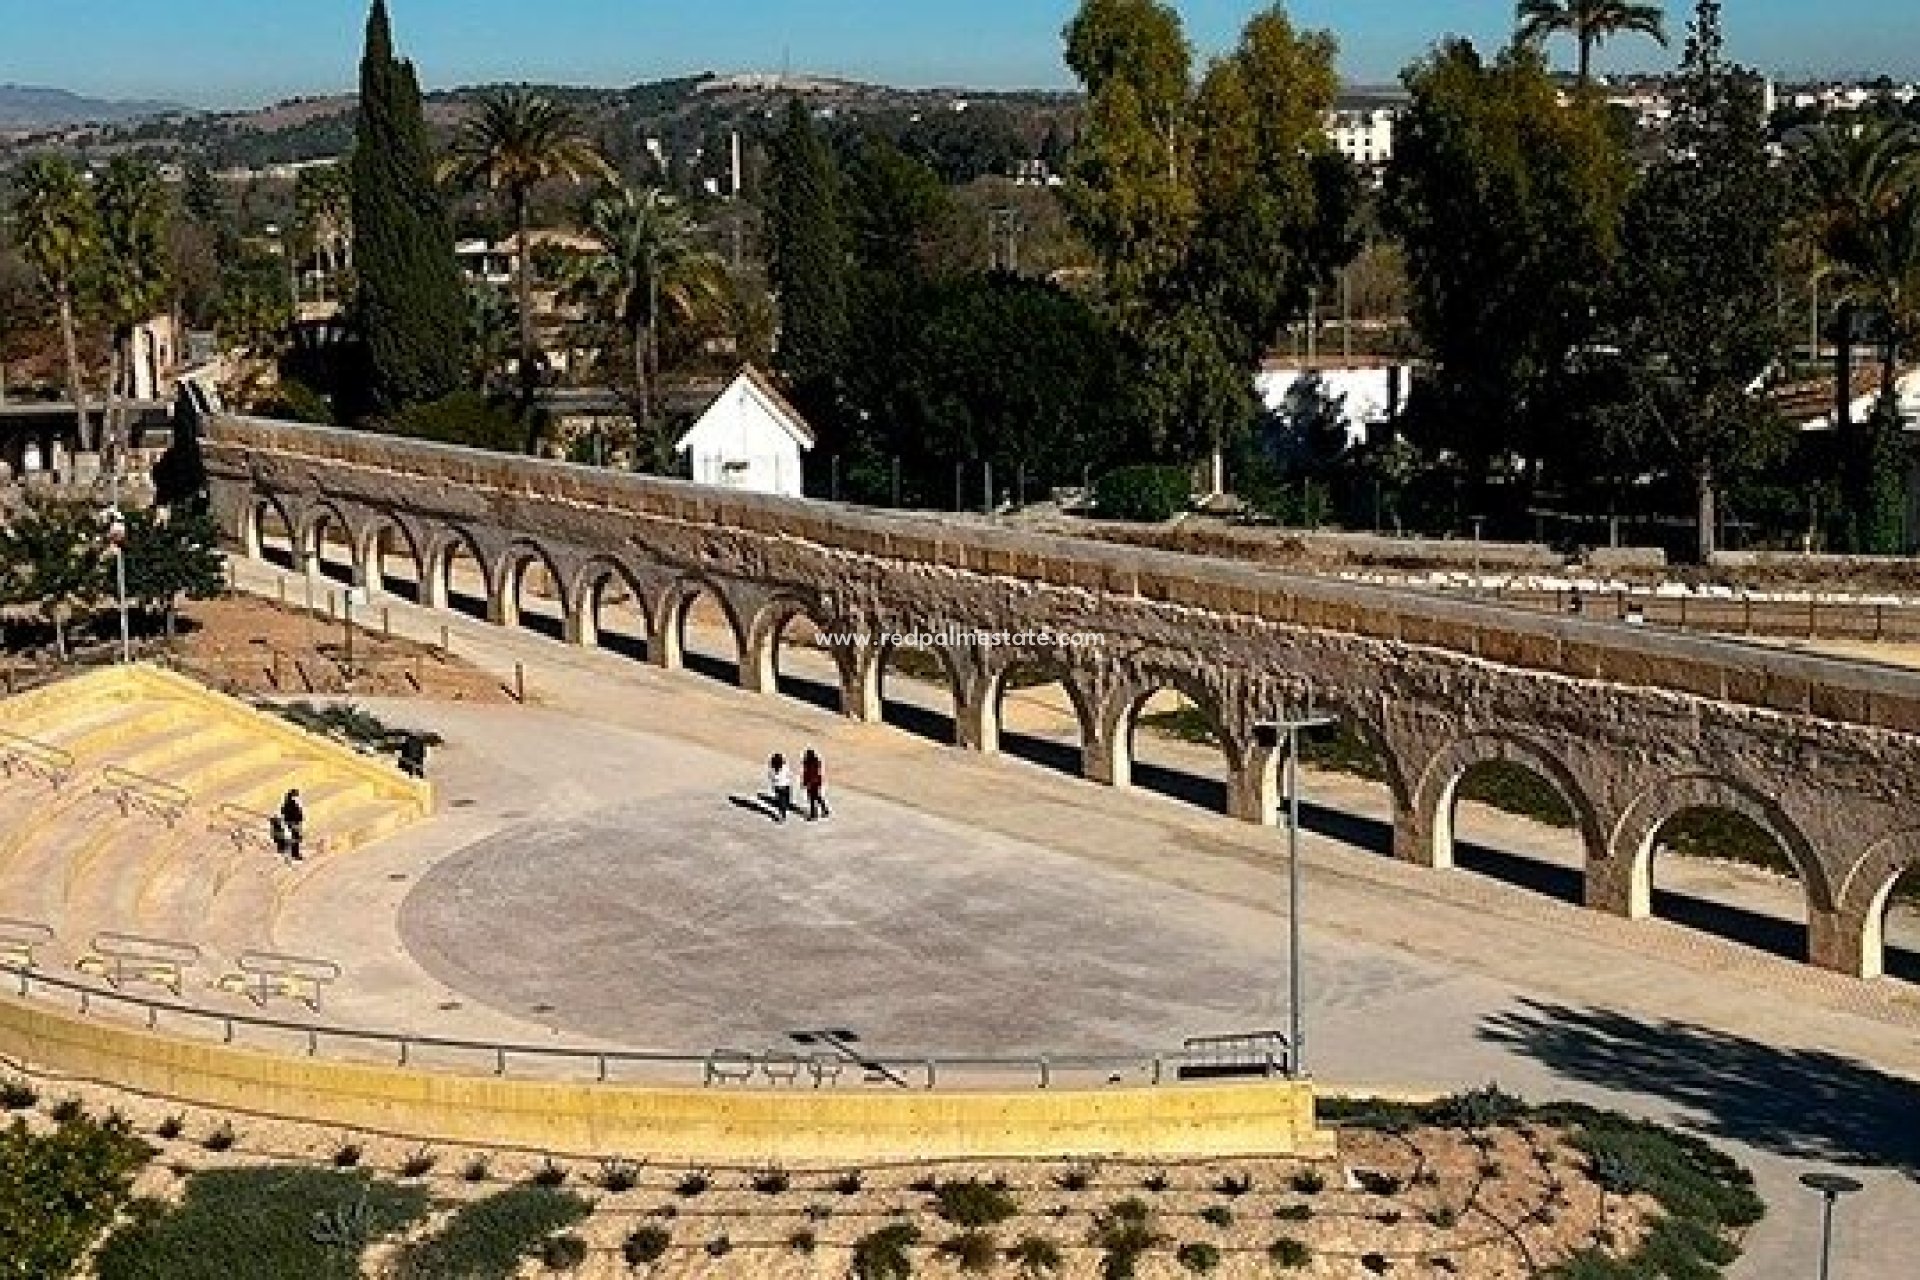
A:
(602, 875)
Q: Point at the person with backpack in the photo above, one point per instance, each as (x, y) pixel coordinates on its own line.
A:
(813, 780)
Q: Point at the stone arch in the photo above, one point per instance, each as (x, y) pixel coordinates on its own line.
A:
(877, 658)
(760, 666)
(320, 515)
(253, 526)
(370, 552)
(583, 598)
(669, 641)
(443, 551)
(508, 578)
(1856, 942)
(1438, 789)
(1114, 761)
(989, 705)
(1627, 887)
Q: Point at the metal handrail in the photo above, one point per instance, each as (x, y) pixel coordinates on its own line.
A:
(18, 940)
(160, 799)
(243, 826)
(1037, 1070)
(36, 759)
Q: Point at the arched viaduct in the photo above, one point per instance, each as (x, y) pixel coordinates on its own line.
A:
(1632, 726)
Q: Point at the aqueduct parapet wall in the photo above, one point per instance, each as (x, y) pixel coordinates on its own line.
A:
(1634, 726)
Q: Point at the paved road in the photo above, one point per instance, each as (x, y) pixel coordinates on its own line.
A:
(1131, 915)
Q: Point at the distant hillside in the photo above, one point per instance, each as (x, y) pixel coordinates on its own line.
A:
(26, 107)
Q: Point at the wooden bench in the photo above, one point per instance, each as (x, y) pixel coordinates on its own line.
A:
(121, 958)
(267, 975)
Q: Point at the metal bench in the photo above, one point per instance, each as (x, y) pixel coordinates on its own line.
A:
(731, 1066)
(137, 793)
(23, 757)
(18, 939)
(121, 958)
(266, 975)
(825, 1068)
(1252, 1053)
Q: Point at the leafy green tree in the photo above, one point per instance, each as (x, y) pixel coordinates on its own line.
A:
(1697, 316)
(1591, 23)
(170, 555)
(255, 310)
(58, 231)
(649, 273)
(517, 141)
(59, 1189)
(901, 216)
(410, 304)
(493, 335)
(323, 214)
(1507, 203)
(1130, 183)
(807, 252)
(180, 474)
(129, 276)
(53, 557)
(201, 199)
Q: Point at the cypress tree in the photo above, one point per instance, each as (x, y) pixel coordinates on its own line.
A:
(411, 306)
(808, 259)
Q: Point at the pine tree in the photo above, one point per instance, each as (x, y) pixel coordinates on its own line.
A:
(808, 255)
(411, 306)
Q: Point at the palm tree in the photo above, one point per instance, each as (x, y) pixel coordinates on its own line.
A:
(649, 271)
(1861, 179)
(1590, 22)
(58, 235)
(517, 141)
(131, 277)
(323, 208)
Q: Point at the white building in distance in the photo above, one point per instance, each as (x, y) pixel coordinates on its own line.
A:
(1364, 135)
(750, 438)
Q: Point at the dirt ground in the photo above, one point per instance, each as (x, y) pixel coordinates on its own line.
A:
(257, 648)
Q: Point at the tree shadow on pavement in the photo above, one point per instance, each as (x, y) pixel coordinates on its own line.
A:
(1799, 1103)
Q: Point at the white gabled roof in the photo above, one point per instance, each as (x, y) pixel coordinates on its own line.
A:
(753, 388)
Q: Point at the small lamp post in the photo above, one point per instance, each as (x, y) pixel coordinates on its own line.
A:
(1270, 734)
(117, 540)
(1831, 1187)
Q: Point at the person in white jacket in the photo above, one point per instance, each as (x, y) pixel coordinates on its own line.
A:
(780, 780)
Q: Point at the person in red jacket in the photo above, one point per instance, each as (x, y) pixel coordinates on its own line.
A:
(813, 779)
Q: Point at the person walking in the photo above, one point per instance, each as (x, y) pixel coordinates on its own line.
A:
(294, 817)
(780, 780)
(813, 780)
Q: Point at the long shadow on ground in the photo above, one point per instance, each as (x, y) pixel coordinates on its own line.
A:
(1799, 1103)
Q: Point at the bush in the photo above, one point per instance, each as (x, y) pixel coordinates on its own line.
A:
(1309, 1182)
(1289, 1254)
(1155, 1182)
(1217, 1215)
(465, 418)
(549, 1175)
(884, 1254)
(564, 1253)
(347, 1155)
(974, 1203)
(803, 1241)
(1078, 1178)
(973, 1251)
(17, 1095)
(1122, 1235)
(1294, 1213)
(1234, 1184)
(1145, 495)
(692, 1184)
(418, 1165)
(1486, 1108)
(1198, 1257)
(221, 1139)
(488, 1239)
(58, 1190)
(849, 1184)
(274, 1221)
(67, 1111)
(476, 1170)
(719, 1247)
(646, 1245)
(1036, 1256)
(772, 1182)
(617, 1176)
(170, 1128)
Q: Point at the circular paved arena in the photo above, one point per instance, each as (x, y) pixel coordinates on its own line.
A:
(688, 920)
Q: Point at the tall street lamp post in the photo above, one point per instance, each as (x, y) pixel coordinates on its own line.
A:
(1831, 1187)
(117, 539)
(1269, 734)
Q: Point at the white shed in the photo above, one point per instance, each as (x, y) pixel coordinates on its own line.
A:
(749, 438)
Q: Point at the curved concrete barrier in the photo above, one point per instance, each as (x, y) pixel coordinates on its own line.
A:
(719, 1126)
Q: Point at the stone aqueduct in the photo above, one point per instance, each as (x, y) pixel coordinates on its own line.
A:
(1632, 726)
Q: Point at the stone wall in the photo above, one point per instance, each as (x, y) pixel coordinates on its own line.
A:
(1633, 726)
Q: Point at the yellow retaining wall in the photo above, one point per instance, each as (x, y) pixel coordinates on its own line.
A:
(144, 683)
(719, 1125)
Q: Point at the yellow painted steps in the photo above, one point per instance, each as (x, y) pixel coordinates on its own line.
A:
(47, 822)
(176, 755)
(99, 741)
(35, 881)
(103, 891)
(50, 721)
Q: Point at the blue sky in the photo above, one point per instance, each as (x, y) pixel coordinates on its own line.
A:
(238, 52)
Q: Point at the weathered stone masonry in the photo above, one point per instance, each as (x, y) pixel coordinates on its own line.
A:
(1633, 726)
